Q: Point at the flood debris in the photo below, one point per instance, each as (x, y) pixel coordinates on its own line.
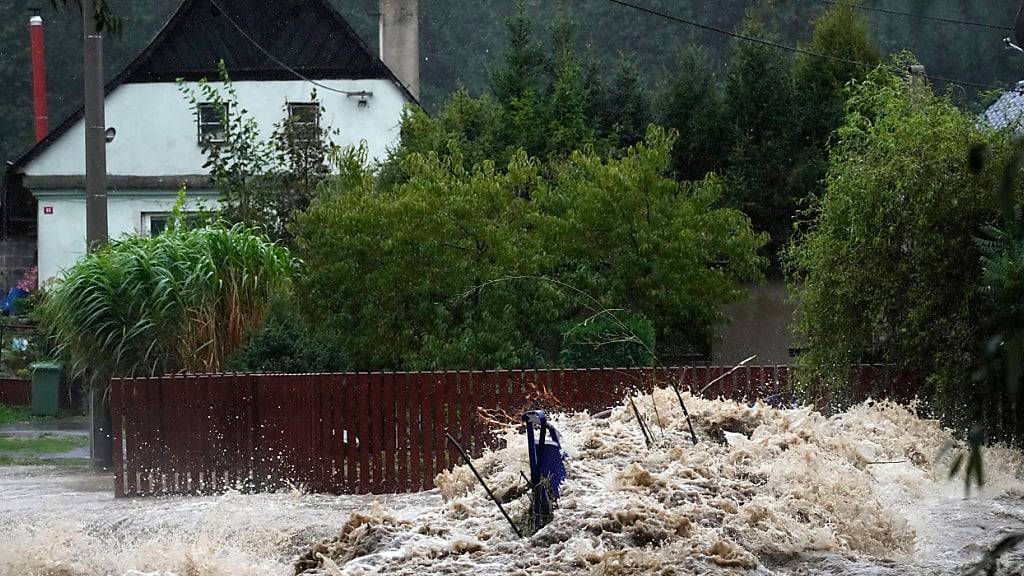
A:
(779, 484)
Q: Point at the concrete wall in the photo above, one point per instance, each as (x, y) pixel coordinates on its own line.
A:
(62, 232)
(157, 132)
(400, 41)
(759, 325)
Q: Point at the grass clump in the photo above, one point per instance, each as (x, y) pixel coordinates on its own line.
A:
(13, 414)
(45, 444)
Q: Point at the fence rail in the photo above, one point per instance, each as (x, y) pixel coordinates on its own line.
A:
(361, 433)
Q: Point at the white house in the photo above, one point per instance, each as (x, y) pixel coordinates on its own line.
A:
(276, 52)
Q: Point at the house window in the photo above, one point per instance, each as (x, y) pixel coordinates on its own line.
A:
(155, 223)
(303, 121)
(213, 122)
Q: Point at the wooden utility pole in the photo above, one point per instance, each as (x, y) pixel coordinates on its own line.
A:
(101, 427)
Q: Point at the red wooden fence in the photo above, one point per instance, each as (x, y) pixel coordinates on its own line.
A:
(358, 433)
(15, 392)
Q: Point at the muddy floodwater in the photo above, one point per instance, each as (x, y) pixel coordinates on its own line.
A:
(787, 492)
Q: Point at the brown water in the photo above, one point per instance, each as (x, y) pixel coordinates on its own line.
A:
(61, 523)
(786, 492)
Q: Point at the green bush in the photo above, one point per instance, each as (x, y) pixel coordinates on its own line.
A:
(888, 269)
(608, 341)
(285, 344)
(182, 300)
(456, 268)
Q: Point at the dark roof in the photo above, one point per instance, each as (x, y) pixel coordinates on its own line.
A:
(309, 36)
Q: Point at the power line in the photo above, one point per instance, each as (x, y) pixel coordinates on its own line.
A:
(273, 58)
(794, 49)
(921, 16)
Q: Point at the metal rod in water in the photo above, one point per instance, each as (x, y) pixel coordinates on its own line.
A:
(484, 484)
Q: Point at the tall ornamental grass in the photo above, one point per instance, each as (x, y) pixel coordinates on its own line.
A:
(181, 301)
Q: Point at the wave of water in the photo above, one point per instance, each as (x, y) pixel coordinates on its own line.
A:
(766, 492)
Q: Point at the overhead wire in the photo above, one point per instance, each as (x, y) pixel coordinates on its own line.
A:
(919, 16)
(795, 49)
(275, 59)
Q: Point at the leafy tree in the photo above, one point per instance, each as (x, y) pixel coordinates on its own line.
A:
(821, 83)
(524, 71)
(397, 272)
(760, 102)
(691, 102)
(182, 300)
(262, 183)
(637, 240)
(888, 268)
(569, 128)
(471, 268)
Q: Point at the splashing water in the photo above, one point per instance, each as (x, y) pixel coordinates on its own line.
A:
(766, 492)
(69, 524)
(771, 492)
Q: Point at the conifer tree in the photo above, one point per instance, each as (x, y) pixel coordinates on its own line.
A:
(760, 103)
(691, 102)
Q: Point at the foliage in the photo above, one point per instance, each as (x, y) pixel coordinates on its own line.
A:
(638, 240)
(543, 101)
(760, 103)
(178, 301)
(262, 183)
(13, 415)
(888, 268)
(394, 272)
(469, 268)
(621, 105)
(608, 341)
(821, 89)
(286, 344)
(45, 444)
(691, 102)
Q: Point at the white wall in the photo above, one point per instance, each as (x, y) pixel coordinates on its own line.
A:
(61, 234)
(157, 134)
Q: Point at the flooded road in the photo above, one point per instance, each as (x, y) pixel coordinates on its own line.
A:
(67, 523)
(782, 492)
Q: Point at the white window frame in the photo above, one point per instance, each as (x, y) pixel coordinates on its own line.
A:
(212, 131)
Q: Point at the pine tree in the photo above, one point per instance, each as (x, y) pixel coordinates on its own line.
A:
(525, 64)
(691, 102)
(623, 109)
(760, 103)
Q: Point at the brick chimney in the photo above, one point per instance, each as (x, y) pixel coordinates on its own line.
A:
(400, 41)
(42, 120)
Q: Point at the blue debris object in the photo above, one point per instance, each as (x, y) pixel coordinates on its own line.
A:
(547, 465)
(13, 295)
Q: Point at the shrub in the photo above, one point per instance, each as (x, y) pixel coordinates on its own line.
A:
(610, 340)
(182, 300)
(285, 344)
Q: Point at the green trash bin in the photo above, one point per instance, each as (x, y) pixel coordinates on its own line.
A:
(46, 377)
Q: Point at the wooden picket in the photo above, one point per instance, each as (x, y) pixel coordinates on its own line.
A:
(369, 433)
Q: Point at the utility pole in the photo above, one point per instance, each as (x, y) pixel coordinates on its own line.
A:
(100, 419)
(95, 132)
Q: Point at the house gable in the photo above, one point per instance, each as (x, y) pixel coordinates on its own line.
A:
(257, 40)
(307, 36)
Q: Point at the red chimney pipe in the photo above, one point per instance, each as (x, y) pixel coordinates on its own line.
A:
(39, 77)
